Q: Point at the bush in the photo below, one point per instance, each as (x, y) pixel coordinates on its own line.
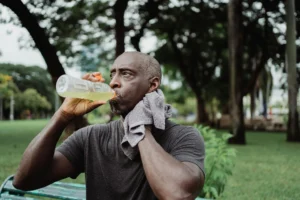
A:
(219, 162)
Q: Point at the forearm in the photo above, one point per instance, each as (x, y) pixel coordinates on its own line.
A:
(168, 177)
(38, 155)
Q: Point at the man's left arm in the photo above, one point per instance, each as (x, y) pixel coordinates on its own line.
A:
(168, 177)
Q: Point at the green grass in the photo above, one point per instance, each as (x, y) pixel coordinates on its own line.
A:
(266, 168)
(14, 138)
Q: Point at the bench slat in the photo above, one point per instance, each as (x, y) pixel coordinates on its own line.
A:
(56, 190)
(6, 196)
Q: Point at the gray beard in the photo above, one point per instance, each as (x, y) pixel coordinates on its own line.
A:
(115, 109)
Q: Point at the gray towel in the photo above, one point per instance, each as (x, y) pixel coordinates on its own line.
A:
(150, 110)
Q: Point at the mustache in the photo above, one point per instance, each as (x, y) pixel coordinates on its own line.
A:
(119, 94)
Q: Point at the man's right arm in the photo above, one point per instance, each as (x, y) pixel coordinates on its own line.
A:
(41, 164)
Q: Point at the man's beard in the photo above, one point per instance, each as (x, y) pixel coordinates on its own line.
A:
(115, 108)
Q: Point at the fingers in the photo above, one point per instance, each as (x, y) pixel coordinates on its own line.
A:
(96, 104)
(94, 77)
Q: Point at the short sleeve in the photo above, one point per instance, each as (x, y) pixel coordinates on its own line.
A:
(188, 146)
(73, 149)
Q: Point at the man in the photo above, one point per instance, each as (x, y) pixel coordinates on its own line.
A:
(169, 163)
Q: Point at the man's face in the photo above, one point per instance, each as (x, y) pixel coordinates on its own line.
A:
(130, 83)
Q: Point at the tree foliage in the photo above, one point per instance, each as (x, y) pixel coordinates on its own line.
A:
(26, 77)
(6, 85)
(32, 102)
(192, 38)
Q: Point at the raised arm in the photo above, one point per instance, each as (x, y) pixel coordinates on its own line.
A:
(41, 164)
(168, 177)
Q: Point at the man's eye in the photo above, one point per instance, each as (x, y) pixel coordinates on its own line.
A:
(126, 74)
(112, 75)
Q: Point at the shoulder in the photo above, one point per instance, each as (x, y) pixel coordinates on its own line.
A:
(178, 130)
(178, 136)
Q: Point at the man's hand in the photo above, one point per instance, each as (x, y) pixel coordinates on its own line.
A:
(73, 107)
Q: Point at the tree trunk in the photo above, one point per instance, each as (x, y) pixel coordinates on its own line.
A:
(202, 116)
(293, 133)
(38, 35)
(235, 44)
(264, 104)
(1, 107)
(252, 103)
(11, 108)
(119, 11)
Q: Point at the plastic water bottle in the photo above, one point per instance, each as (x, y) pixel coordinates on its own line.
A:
(68, 86)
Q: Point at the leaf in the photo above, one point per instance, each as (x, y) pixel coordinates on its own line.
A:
(214, 192)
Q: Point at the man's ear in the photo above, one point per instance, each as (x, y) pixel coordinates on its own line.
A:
(154, 84)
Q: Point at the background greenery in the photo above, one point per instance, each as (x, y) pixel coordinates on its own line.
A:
(266, 168)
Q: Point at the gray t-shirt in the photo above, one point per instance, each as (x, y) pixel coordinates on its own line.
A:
(96, 151)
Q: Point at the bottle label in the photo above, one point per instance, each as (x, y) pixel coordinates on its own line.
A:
(99, 87)
(81, 86)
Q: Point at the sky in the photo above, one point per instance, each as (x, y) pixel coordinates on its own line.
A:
(11, 53)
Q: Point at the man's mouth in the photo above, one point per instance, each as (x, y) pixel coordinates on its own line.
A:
(116, 98)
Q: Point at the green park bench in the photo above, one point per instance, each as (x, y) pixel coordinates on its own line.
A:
(57, 190)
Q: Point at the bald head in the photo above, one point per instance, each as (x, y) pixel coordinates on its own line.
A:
(133, 74)
(147, 63)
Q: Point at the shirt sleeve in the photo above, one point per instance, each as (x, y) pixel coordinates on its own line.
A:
(73, 149)
(188, 146)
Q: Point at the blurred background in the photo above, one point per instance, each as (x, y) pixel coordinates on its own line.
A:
(229, 66)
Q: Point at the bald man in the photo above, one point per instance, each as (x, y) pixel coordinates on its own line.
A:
(169, 164)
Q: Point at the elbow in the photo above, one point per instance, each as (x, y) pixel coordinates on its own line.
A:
(179, 196)
(20, 183)
(186, 190)
(180, 193)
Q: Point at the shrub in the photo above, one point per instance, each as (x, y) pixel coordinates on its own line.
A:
(219, 161)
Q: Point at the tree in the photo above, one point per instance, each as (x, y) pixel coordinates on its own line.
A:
(32, 101)
(235, 44)
(202, 52)
(293, 133)
(195, 51)
(119, 11)
(4, 79)
(31, 77)
(30, 22)
(7, 88)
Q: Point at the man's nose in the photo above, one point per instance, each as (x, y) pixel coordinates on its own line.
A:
(115, 83)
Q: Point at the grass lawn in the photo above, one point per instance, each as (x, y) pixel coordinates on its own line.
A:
(266, 168)
(14, 138)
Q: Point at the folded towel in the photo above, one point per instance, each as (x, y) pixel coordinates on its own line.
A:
(150, 110)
